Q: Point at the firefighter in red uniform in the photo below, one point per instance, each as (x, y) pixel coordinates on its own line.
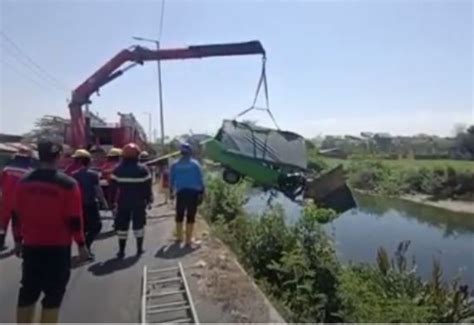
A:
(47, 216)
(113, 159)
(131, 185)
(21, 164)
(74, 166)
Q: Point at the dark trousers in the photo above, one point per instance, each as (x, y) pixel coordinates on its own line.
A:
(137, 215)
(92, 222)
(45, 270)
(187, 202)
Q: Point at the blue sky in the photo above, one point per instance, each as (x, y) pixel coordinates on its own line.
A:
(334, 67)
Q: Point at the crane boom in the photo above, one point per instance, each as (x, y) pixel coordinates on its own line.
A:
(138, 55)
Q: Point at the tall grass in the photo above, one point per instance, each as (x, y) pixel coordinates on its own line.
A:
(296, 265)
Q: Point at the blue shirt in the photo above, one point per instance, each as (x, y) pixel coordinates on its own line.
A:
(186, 174)
(88, 179)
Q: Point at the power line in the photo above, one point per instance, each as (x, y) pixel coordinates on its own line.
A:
(45, 73)
(31, 71)
(24, 75)
(160, 31)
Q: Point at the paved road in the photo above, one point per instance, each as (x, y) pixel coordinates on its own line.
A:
(106, 290)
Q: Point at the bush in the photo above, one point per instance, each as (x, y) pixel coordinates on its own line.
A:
(310, 210)
(438, 182)
(223, 200)
(297, 266)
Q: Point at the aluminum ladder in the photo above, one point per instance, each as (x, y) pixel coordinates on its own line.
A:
(166, 297)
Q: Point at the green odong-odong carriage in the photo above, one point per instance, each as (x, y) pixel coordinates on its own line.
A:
(275, 159)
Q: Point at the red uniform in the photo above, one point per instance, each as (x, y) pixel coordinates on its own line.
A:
(72, 168)
(107, 169)
(9, 178)
(47, 216)
(48, 210)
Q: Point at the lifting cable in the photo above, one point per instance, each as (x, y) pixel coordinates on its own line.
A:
(262, 81)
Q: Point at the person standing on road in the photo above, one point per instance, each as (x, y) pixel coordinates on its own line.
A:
(187, 183)
(21, 164)
(47, 216)
(112, 161)
(74, 166)
(131, 185)
(165, 182)
(91, 193)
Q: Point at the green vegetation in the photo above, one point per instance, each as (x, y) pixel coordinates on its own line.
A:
(402, 163)
(437, 181)
(296, 266)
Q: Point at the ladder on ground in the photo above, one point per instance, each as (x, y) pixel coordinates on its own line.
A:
(166, 297)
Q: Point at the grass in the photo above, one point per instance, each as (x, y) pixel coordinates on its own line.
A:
(411, 163)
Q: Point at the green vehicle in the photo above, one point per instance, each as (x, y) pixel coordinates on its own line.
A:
(275, 159)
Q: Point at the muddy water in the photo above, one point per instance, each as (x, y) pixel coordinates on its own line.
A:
(432, 232)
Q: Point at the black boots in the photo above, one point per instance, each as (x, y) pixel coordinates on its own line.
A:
(140, 250)
(122, 244)
(2, 242)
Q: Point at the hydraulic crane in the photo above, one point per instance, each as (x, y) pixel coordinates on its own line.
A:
(139, 55)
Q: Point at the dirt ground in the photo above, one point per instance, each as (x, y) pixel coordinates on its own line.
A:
(451, 205)
(217, 278)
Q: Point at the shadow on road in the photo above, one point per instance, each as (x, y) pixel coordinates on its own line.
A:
(105, 235)
(5, 253)
(113, 265)
(160, 216)
(174, 251)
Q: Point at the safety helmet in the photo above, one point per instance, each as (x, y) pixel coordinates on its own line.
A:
(131, 150)
(114, 152)
(185, 148)
(81, 153)
(143, 155)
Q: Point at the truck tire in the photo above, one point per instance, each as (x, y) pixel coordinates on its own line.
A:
(231, 176)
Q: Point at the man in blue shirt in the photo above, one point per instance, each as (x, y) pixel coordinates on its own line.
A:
(186, 180)
(91, 192)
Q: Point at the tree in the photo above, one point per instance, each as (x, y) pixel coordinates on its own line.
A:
(48, 127)
(467, 140)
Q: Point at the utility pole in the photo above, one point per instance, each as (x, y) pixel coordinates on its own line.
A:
(150, 134)
(160, 89)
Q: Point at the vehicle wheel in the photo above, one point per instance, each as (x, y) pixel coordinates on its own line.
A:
(292, 185)
(231, 176)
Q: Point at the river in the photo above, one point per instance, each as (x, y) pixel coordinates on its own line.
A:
(377, 221)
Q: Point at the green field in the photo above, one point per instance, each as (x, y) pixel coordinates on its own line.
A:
(408, 163)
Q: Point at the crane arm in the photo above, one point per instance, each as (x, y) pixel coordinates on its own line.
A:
(139, 55)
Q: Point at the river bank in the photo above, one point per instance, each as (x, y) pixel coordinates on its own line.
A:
(315, 273)
(449, 205)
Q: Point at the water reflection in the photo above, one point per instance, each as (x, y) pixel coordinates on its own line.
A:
(452, 223)
(358, 233)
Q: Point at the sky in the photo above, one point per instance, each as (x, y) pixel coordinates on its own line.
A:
(333, 67)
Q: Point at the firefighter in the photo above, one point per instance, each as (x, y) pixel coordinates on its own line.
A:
(144, 156)
(47, 216)
(131, 186)
(91, 193)
(21, 164)
(112, 161)
(186, 181)
(97, 157)
(74, 166)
